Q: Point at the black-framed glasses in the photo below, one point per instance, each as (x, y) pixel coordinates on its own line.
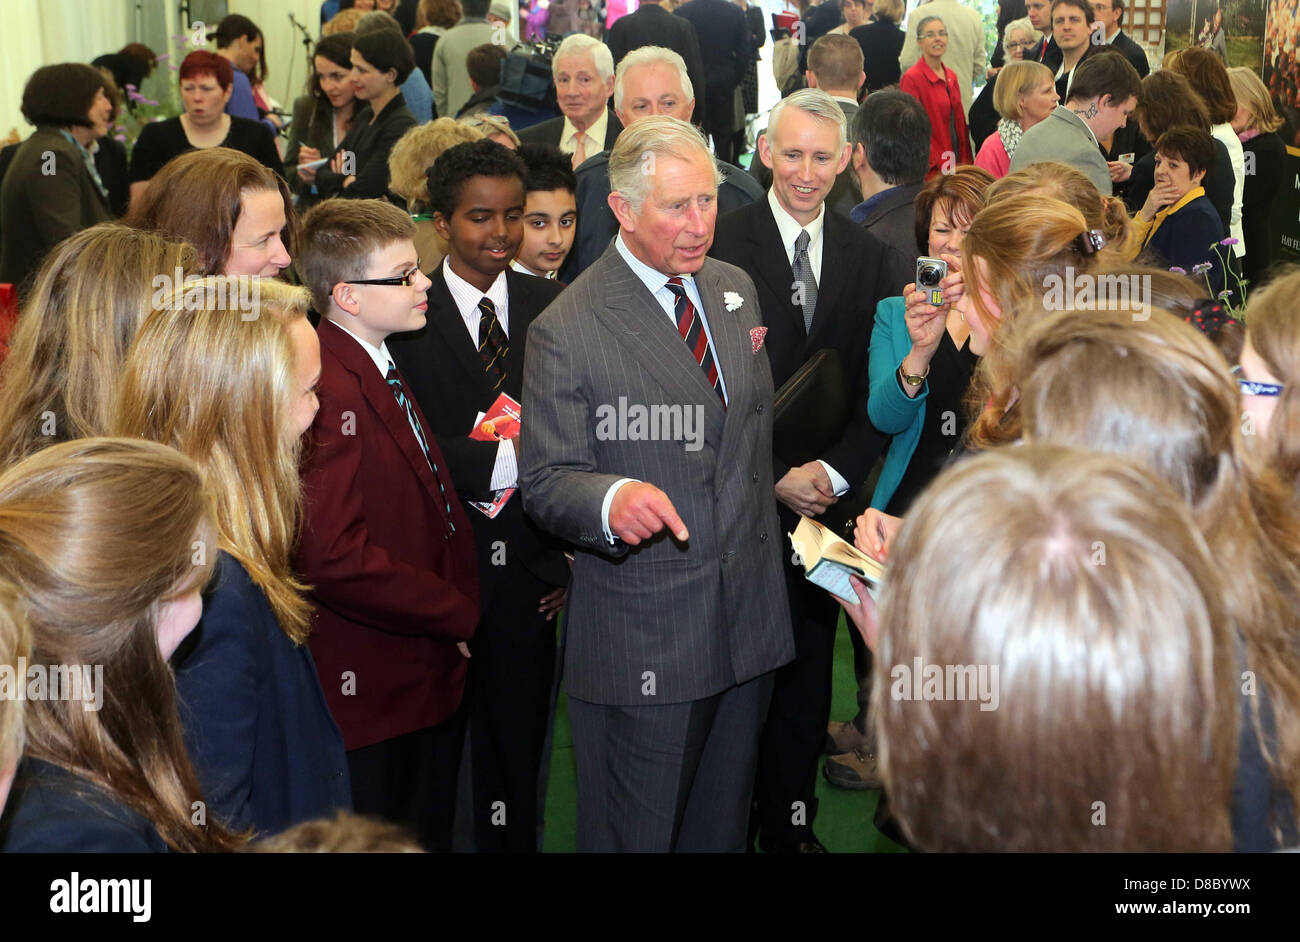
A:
(1250, 387)
(405, 280)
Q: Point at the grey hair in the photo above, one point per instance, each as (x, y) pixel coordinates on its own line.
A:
(1022, 25)
(649, 55)
(580, 44)
(637, 147)
(811, 101)
(920, 27)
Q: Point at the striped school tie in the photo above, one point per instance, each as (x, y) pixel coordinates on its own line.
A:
(394, 380)
(493, 345)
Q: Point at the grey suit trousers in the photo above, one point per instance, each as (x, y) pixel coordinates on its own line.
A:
(670, 777)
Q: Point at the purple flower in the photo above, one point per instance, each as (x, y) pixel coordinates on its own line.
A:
(173, 68)
(1228, 241)
(163, 56)
(149, 101)
(1224, 295)
(1200, 268)
(120, 138)
(1178, 271)
(135, 96)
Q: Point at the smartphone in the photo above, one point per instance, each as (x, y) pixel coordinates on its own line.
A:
(929, 272)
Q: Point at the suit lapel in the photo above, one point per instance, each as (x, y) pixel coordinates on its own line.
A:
(774, 264)
(834, 268)
(445, 321)
(648, 333)
(380, 397)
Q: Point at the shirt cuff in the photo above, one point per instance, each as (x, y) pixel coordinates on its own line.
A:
(505, 472)
(838, 484)
(604, 506)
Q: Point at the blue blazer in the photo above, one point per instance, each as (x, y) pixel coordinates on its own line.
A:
(51, 810)
(890, 409)
(1186, 238)
(267, 752)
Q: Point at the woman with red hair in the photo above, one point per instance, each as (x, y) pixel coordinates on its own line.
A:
(206, 81)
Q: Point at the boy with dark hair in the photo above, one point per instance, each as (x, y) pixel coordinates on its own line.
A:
(483, 65)
(550, 211)
(386, 546)
(460, 364)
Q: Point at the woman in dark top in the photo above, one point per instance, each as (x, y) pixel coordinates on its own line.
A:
(206, 81)
(358, 168)
(882, 43)
(322, 117)
(98, 539)
(1167, 101)
(52, 187)
(1177, 226)
(432, 19)
(1256, 124)
(236, 395)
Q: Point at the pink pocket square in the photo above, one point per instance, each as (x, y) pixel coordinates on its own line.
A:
(756, 337)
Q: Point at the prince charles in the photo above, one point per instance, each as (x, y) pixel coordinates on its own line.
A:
(677, 613)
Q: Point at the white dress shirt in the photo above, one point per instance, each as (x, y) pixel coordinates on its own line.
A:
(790, 228)
(524, 270)
(595, 135)
(505, 472)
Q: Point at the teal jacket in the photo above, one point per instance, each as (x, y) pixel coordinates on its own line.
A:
(890, 409)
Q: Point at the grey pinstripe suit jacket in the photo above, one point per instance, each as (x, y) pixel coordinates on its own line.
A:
(685, 622)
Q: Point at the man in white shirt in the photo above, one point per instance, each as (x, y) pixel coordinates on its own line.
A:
(583, 69)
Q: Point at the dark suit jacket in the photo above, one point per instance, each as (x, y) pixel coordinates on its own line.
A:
(844, 193)
(1132, 52)
(693, 620)
(856, 273)
(371, 144)
(550, 132)
(52, 811)
(882, 44)
(257, 727)
(1262, 186)
(892, 219)
(597, 225)
(652, 25)
(442, 367)
(724, 49)
(394, 591)
(43, 202)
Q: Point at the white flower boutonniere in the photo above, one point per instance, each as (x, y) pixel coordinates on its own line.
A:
(732, 300)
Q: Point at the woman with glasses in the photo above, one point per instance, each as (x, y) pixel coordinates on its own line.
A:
(935, 86)
(1269, 376)
(1018, 37)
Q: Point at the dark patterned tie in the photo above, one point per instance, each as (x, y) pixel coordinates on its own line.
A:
(803, 276)
(493, 345)
(394, 381)
(691, 327)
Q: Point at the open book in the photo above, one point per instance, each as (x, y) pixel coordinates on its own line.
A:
(828, 561)
(499, 423)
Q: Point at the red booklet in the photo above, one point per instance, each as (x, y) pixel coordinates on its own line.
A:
(499, 423)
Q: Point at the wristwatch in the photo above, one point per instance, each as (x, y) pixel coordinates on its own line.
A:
(912, 379)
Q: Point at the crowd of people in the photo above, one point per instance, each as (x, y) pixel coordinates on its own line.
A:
(311, 440)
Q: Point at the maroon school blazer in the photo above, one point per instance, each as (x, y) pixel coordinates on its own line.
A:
(393, 588)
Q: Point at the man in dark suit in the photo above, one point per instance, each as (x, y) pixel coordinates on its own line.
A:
(651, 25)
(1046, 52)
(834, 66)
(672, 637)
(821, 279)
(725, 50)
(386, 547)
(818, 20)
(1111, 14)
(650, 80)
(583, 70)
(521, 573)
(890, 158)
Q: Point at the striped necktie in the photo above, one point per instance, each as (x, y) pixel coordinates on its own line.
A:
(691, 327)
(394, 380)
(493, 345)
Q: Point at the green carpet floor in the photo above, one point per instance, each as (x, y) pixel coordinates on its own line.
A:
(843, 820)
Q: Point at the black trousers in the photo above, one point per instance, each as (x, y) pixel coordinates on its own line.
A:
(507, 702)
(411, 780)
(795, 732)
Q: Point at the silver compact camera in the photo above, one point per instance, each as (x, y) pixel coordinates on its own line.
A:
(929, 272)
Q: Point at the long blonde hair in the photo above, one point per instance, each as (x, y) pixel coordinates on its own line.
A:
(1159, 393)
(1083, 583)
(218, 386)
(94, 535)
(92, 292)
(15, 643)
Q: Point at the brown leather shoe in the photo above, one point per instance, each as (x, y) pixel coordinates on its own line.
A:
(842, 738)
(855, 770)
